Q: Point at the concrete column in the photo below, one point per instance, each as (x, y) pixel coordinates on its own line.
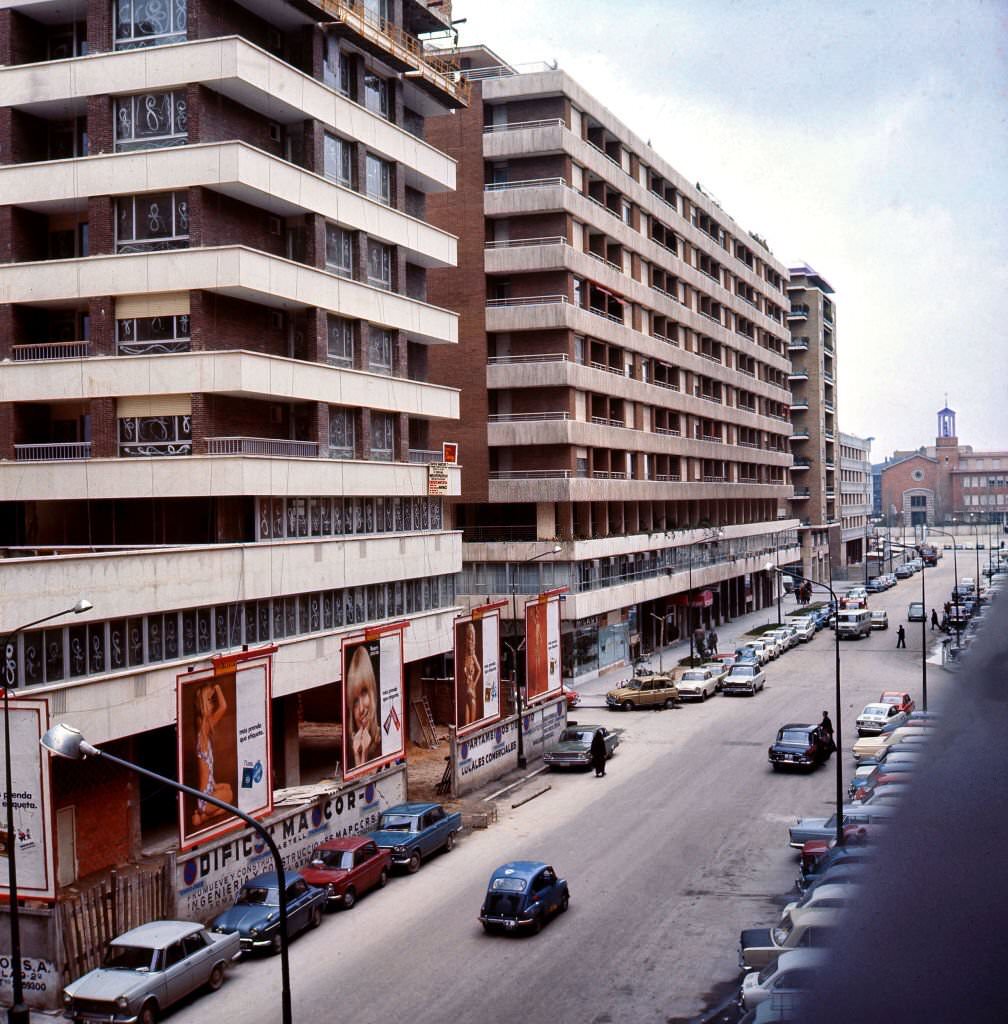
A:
(289, 768)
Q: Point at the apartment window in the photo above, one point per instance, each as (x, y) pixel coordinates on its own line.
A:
(376, 95)
(149, 23)
(338, 69)
(382, 436)
(377, 10)
(342, 433)
(337, 160)
(379, 265)
(152, 222)
(151, 120)
(155, 435)
(341, 341)
(625, 211)
(380, 351)
(339, 250)
(142, 336)
(379, 180)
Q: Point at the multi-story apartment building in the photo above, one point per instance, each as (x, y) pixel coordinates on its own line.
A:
(855, 496)
(624, 371)
(812, 319)
(214, 397)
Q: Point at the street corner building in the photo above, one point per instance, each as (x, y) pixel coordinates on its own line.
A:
(624, 366)
(217, 421)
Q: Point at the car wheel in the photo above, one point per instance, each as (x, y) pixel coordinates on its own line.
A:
(276, 943)
(349, 898)
(564, 903)
(216, 978)
(148, 1013)
(488, 928)
(383, 879)
(414, 862)
(669, 703)
(536, 927)
(703, 695)
(449, 843)
(627, 705)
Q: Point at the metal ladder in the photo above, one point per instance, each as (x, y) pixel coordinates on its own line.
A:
(426, 720)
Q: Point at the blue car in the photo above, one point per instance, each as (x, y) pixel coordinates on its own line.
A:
(523, 894)
(256, 913)
(412, 832)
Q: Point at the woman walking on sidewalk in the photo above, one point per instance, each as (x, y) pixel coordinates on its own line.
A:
(598, 753)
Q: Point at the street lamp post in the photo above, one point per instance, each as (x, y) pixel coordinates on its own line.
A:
(522, 760)
(18, 1012)
(955, 573)
(838, 726)
(923, 637)
(780, 582)
(65, 741)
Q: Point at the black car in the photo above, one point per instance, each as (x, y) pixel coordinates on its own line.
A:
(799, 745)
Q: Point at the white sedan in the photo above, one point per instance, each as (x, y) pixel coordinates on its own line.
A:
(744, 679)
(876, 717)
(805, 627)
(697, 683)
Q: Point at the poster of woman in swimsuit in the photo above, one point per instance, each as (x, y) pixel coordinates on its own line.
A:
(223, 745)
(477, 656)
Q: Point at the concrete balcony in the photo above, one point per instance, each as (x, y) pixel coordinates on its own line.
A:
(214, 475)
(249, 375)
(554, 485)
(236, 69)
(230, 270)
(235, 169)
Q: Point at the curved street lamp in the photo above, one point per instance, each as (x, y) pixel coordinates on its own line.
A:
(66, 741)
(18, 1012)
(838, 725)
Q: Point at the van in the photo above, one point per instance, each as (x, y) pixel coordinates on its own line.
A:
(853, 623)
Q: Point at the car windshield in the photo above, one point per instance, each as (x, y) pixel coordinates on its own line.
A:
(782, 931)
(793, 736)
(395, 823)
(876, 709)
(693, 675)
(744, 670)
(333, 859)
(573, 735)
(768, 972)
(253, 895)
(508, 884)
(128, 958)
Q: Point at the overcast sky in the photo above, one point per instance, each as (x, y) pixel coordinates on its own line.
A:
(866, 139)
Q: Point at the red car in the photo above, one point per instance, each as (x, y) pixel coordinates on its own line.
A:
(814, 849)
(902, 700)
(573, 697)
(347, 868)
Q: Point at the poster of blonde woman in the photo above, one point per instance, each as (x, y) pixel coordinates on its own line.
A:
(373, 725)
(477, 659)
(542, 648)
(223, 744)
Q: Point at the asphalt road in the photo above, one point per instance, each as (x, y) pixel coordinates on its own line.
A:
(682, 844)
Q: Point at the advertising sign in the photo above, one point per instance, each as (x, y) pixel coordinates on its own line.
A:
(224, 742)
(542, 648)
(485, 754)
(31, 840)
(542, 725)
(207, 881)
(477, 670)
(437, 478)
(374, 729)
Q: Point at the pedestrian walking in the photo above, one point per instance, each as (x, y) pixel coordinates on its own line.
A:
(934, 619)
(826, 729)
(948, 609)
(598, 753)
(900, 637)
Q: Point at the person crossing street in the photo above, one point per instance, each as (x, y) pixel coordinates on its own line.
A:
(900, 637)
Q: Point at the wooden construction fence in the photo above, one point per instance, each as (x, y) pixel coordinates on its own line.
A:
(90, 918)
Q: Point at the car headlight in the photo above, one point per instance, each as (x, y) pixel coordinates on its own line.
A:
(331, 889)
(122, 1002)
(399, 849)
(253, 932)
(67, 999)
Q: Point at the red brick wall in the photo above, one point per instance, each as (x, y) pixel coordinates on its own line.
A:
(22, 39)
(101, 137)
(240, 417)
(23, 235)
(104, 428)
(898, 478)
(209, 19)
(215, 118)
(463, 289)
(22, 137)
(533, 167)
(219, 322)
(217, 219)
(99, 26)
(105, 801)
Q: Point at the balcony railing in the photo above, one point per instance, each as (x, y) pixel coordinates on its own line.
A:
(550, 122)
(268, 446)
(503, 186)
(63, 451)
(667, 432)
(798, 313)
(802, 492)
(407, 49)
(519, 243)
(50, 350)
(528, 417)
(603, 421)
(543, 357)
(423, 456)
(530, 474)
(526, 300)
(798, 345)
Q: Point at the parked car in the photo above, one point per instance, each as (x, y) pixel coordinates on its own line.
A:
(573, 697)
(147, 969)
(414, 831)
(780, 637)
(875, 717)
(651, 691)
(876, 585)
(348, 867)
(806, 927)
(744, 679)
(720, 668)
(805, 627)
(856, 597)
(799, 745)
(838, 858)
(824, 828)
(523, 894)
(903, 572)
(900, 698)
(844, 892)
(784, 978)
(869, 746)
(879, 619)
(573, 748)
(255, 915)
(758, 649)
(697, 684)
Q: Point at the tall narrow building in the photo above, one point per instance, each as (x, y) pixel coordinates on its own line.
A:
(812, 319)
(215, 404)
(624, 374)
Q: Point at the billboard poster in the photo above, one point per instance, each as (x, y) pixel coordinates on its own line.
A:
(31, 841)
(477, 670)
(542, 648)
(224, 743)
(374, 729)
